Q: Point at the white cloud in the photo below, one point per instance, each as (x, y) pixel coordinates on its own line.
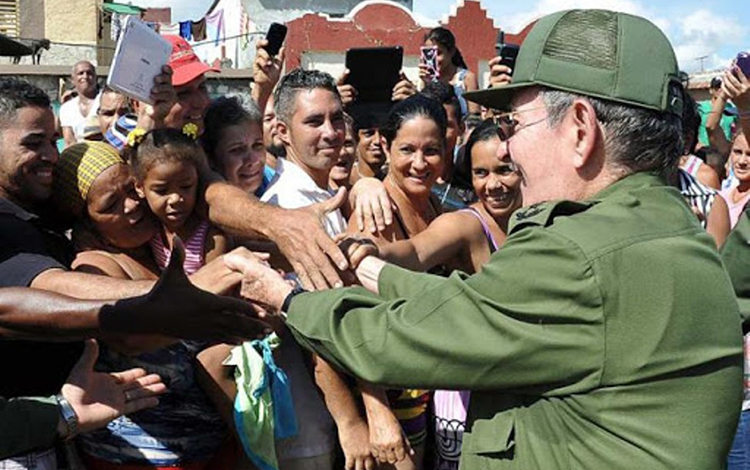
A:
(515, 23)
(701, 35)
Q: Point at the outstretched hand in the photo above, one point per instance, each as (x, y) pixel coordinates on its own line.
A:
(98, 397)
(302, 239)
(373, 208)
(177, 308)
(261, 284)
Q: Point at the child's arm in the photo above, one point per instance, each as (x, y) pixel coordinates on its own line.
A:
(387, 440)
(352, 428)
(217, 243)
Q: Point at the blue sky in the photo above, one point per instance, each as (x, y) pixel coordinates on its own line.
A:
(714, 29)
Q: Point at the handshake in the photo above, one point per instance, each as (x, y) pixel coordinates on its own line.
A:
(267, 289)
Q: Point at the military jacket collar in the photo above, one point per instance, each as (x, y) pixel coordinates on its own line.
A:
(543, 213)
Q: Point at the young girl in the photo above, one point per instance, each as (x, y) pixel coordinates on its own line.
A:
(166, 163)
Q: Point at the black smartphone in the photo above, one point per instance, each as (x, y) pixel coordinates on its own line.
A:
(508, 52)
(374, 71)
(743, 62)
(275, 37)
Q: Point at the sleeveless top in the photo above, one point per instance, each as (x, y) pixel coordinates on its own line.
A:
(485, 228)
(194, 256)
(692, 164)
(697, 194)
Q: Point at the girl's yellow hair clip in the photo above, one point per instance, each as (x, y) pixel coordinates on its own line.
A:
(190, 130)
(135, 137)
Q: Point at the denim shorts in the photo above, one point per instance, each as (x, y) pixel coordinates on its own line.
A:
(41, 460)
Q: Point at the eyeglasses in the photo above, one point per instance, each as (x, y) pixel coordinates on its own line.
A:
(508, 124)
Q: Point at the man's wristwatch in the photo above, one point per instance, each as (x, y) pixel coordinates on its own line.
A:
(288, 300)
(69, 416)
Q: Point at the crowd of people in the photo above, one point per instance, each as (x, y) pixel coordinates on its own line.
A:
(525, 276)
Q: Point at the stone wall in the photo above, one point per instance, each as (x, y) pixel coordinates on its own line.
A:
(49, 78)
(31, 16)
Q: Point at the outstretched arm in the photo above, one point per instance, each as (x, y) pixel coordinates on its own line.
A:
(298, 233)
(430, 320)
(352, 428)
(444, 239)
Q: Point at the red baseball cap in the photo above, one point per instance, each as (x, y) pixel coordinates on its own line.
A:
(186, 66)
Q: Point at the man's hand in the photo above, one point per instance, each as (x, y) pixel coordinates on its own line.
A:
(217, 278)
(372, 206)
(300, 235)
(176, 308)
(403, 89)
(261, 284)
(736, 87)
(357, 248)
(97, 398)
(163, 96)
(348, 92)
(500, 75)
(355, 443)
(266, 72)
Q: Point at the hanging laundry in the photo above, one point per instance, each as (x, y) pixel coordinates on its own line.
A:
(117, 25)
(169, 29)
(186, 30)
(244, 29)
(215, 26)
(199, 30)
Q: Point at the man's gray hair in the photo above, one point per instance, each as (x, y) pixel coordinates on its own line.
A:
(295, 81)
(635, 139)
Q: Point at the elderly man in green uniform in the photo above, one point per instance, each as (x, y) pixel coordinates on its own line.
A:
(604, 334)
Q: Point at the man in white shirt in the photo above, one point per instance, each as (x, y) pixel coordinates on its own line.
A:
(76, 112)
(311, 126)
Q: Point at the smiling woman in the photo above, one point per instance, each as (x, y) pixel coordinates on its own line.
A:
(113, 227)
(413, 137)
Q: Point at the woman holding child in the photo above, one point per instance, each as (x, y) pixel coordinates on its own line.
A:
(112, 230)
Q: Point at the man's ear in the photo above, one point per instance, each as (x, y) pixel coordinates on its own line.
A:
(282, 131)
(586, 131)
(135, 105)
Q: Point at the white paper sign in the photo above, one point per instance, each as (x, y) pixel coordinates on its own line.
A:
(140, 55)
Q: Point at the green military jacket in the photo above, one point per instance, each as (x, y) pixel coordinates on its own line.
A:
(602, 335)
(736, 255)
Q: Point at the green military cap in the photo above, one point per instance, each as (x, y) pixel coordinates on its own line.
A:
(599, 53)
